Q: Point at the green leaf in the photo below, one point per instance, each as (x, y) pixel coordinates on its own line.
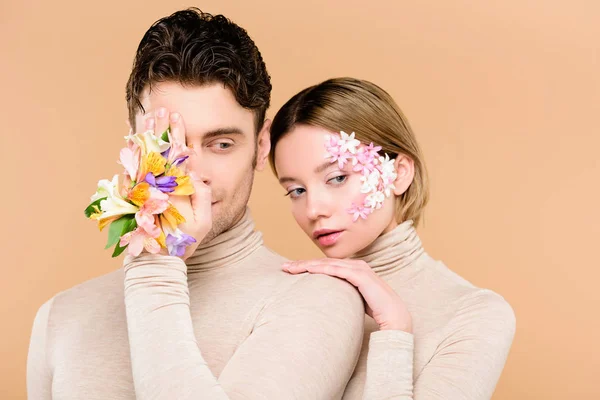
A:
(90, 209)
(128, 227)
(118, 228)
(118, 250)
(165, 136)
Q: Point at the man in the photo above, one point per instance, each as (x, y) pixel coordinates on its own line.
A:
(229, 324)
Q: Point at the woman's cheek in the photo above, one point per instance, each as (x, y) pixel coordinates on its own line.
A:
(352, 195)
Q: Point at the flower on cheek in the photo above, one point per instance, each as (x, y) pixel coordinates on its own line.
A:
(378, 172)
(359, 212)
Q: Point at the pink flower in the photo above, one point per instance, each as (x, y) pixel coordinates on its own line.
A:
(359, 212)
(139, 240)
(177, 152)
(130, 159)
(341, 158)
(157, 203)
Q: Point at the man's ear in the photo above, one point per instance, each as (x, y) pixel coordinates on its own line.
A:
(405, 168)
(263, 145)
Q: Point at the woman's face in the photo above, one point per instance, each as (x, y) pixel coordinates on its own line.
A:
(322, 194)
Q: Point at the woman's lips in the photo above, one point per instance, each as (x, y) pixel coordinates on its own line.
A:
(329, 239)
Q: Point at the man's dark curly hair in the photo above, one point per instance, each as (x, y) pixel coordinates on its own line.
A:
(192, 47)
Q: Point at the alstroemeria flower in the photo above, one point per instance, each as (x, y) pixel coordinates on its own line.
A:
(114, 205)
(184, 187)
(156, 203)
(130, 160)
(171, 218)
(138, 240)
(177, 243)
(149, 142)
(151, 163)
(105, 188)
(178, 152)
(139, 193)
(165, 184)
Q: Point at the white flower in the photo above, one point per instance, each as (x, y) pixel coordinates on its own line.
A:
(370, 182)
(149, 142)
(105, 187)
(388, 189)
(114, 204)
(374, 200)
(348, 143)
(387, 165)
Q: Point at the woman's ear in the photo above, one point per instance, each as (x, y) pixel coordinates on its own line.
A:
(263, 145)
(405, 168)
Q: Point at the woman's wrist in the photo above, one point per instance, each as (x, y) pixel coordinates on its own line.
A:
(399, 325)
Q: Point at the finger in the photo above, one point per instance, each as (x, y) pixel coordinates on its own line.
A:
(201, 202)
(338, 271)
(351, 264)
(162, 121)
(149, 123)
(177, 128)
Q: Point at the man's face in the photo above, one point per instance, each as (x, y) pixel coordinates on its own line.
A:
(222, 134)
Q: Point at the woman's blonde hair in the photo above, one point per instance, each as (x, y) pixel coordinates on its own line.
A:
(354, 105)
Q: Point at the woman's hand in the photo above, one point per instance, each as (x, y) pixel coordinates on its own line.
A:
(196, 209)
(382, 303)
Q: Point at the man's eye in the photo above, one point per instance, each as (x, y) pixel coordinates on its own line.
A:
(222, 145)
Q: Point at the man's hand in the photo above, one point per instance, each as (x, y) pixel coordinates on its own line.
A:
(196, 209)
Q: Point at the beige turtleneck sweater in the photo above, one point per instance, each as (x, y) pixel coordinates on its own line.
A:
(461, 334)
(236, 327)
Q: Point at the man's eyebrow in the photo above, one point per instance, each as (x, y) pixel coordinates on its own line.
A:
(222, 131)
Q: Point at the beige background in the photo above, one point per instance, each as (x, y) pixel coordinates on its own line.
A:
(504, 97)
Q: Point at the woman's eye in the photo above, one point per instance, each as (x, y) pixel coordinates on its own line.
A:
(338, 179)
(294, 193)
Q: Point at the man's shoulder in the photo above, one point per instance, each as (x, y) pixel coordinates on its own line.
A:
(304, 284)
(100, 294)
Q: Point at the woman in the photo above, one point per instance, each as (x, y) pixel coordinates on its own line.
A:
(349, 161)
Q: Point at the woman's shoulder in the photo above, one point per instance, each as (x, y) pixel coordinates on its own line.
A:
(468, 304)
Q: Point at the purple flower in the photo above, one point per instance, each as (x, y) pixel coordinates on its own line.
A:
(179, 160)
(165, 184)
(177, 244)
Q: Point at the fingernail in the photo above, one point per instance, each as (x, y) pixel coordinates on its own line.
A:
(150, 123)
(161, 112)
(174, 117)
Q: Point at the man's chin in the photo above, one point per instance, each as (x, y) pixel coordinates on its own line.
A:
(222, 222)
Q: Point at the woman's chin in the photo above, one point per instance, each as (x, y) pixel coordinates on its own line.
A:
(340, 252)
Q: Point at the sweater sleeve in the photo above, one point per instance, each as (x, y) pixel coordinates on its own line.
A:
(39, 374)
(466, 365)
(389, 366)
(304, 345)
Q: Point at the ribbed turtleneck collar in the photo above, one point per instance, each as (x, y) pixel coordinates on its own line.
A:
(229, 247)
(393, 250)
